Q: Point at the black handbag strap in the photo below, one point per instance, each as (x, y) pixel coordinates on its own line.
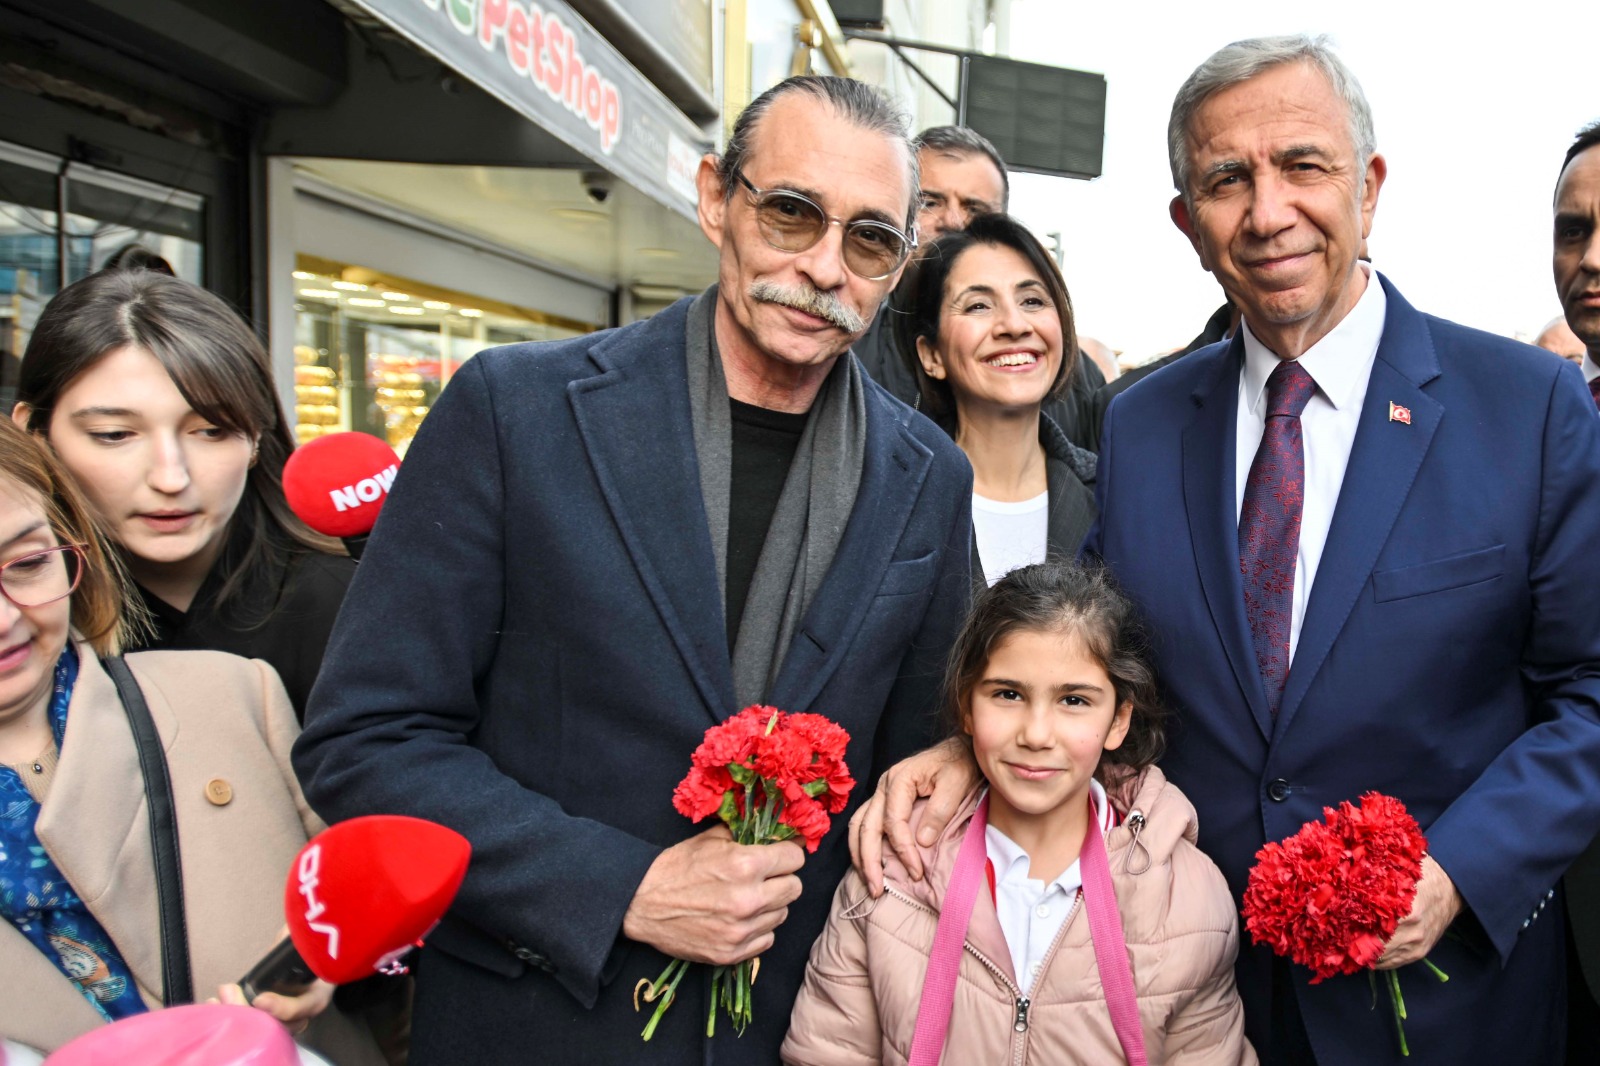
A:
(177, 983)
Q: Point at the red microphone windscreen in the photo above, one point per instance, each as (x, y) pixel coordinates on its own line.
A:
(365, 890)
(337, 484)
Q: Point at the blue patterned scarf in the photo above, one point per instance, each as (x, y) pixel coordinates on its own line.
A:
(35, 897)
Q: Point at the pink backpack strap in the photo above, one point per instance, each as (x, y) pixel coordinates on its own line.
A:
(944, 962)
(1110, 948)
(1105, 930)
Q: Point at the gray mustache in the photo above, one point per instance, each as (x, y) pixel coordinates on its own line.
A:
(824, 305)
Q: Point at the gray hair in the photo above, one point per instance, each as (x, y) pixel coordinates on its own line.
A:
(961, 141)
(1243, 60)
(857, 102)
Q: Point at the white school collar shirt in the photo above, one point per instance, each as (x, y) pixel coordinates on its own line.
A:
(1590, 371)
(1031, 912)
(1341, 365)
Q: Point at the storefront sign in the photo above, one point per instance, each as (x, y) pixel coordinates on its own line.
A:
(543, 60)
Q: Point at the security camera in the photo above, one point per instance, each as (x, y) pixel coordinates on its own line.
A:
(598, 185)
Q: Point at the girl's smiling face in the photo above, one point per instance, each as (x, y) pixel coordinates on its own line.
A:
(1040, 716)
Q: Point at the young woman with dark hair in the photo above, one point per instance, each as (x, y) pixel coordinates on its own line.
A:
(159, 400)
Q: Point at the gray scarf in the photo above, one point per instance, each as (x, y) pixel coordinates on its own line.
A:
(812, 511)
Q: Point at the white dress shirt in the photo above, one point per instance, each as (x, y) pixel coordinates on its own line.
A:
(1590, 371)
(1031, 912)
(1341, 364)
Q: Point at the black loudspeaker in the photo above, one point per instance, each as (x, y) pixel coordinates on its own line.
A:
(859, 14)
(1048, 120)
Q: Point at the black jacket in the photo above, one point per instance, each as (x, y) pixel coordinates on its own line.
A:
(283, 617)
(1070, 474)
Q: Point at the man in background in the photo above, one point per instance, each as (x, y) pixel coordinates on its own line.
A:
(1576, 258)
(1576, 264)
(962, 175)
(1557, 338)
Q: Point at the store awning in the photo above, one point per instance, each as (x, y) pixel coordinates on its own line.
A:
(546, 63)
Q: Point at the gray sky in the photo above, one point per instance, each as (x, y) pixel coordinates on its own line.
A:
(1473, 110)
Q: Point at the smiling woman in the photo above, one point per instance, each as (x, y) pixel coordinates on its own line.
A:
(989, 337)
(159, 401)
(84, 938)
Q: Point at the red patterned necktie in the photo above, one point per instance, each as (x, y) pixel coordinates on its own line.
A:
(1269, 524)
(1594, 390)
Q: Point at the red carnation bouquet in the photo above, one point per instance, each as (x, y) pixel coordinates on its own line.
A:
(1330, 897)
(770, 776)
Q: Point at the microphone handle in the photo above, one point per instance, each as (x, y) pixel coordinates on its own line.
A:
(355, 545)
(280, 970)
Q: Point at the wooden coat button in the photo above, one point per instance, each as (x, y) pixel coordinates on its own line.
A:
(219, 792)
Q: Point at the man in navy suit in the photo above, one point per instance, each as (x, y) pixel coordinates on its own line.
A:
(597, 549)
(1364, 540)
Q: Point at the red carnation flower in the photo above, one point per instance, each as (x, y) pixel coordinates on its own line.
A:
(770, 776)
(700, 794)
(809, 820)
(783, 757)
(1330, 896)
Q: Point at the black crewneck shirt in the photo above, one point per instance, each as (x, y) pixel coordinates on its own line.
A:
(764, 444)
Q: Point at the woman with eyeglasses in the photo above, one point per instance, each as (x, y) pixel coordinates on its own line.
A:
(80, 929)
(159, 400)
(989, 336)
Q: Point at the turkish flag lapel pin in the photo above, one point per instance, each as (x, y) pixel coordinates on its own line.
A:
(1399, 414)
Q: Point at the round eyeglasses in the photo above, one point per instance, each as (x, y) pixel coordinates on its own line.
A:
(42, 577)
(791, 222)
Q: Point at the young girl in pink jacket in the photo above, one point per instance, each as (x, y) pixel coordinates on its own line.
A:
(1075, 831)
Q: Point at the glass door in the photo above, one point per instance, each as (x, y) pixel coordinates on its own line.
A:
(43, 246)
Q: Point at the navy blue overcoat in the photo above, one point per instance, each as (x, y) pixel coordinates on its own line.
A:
(533, 647)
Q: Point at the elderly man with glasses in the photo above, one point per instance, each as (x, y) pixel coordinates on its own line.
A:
(598, 548)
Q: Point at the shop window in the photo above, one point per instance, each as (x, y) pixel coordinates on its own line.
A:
(105, 212)
(372, 350)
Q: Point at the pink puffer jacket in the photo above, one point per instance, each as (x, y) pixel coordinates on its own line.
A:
(862, 987)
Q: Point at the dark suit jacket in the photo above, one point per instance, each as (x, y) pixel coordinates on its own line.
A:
(1450, 656)
(533, 647)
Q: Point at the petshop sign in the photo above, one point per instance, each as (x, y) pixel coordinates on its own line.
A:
(537, 45)
(541, 59)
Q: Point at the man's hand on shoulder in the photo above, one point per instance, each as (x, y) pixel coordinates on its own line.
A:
(1435, 907)
(944, 774)
(708, 899)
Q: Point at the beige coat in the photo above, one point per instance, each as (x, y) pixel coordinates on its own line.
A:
(224, 720)
(864, 981)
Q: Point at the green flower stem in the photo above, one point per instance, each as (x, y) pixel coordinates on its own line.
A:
(1440, 974)
(717, 977)
(664, 991)
(1399, 1009)
(741, 997)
